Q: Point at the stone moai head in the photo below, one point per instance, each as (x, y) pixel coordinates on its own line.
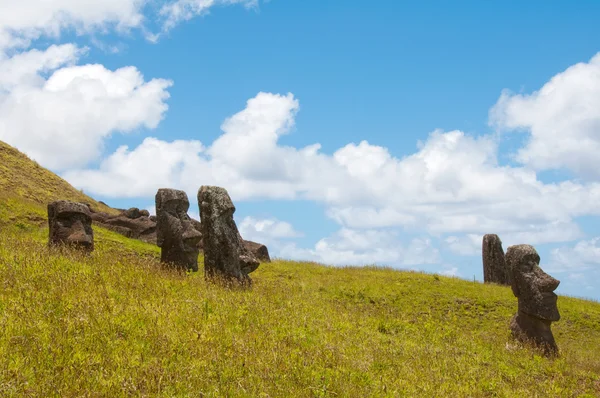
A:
(175, 233)
(494, 265)
(224, 253)
(70, 223)
(531, 285)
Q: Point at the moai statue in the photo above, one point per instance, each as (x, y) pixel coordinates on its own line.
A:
(175, 233)
(225, 256)
(70, 223)
(537, 303)
(494, 266)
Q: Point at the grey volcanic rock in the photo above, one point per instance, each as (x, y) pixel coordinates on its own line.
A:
(494, 266)
(142, 227)
(135, 213)
(534, 289)
(70, 223)
(225, 256)
(175, 233)
(259, 250)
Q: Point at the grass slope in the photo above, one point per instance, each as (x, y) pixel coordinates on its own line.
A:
(26, 188)
(116, 323)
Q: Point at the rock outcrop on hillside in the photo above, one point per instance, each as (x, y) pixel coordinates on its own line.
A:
(132, 223)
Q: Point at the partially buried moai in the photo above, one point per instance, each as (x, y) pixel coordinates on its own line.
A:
(71, 224)
(494, 266)
(225, 256)
(175, 234)
(534, 289)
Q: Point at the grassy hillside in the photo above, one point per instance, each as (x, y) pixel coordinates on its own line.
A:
(117, 324)
(26, 188)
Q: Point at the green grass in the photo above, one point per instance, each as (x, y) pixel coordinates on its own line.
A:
(117, 323)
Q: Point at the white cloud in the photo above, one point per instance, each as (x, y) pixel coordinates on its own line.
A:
(266, 230)
(23, 69)
(154, 164)
(467, 245)
(25, 20)
(366, 247)
(563, 120)
(451, 185)
(583, 255)
(61, 121)
(184, 10)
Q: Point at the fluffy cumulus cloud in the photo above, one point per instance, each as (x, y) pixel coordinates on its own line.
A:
(266, 230)
(62, 120)
(452, 185)
(562, 119)
(60, 112)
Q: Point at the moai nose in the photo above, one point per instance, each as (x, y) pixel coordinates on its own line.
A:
(78, 234)
(546, 282)
(190, 234)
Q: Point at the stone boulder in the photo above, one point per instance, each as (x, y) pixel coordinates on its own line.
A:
(225, 256)
(537, 302)
(494, 266)
(141, 227)
(70, 223)
(175, 233)
(134, 213)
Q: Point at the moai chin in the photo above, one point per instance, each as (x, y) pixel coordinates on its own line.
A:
(225, 256)
(494, 265)
(70, 223)
(175, 233)
(537, 307)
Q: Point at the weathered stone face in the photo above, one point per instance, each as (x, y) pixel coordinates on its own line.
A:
(534, 289)
(175, 233)
(224, 253)
(70, 223)
(494, 266)
(531, 285)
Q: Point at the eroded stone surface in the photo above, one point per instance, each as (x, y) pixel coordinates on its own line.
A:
(70, 223)
(225, 256)
(494, 265)
(175, 233)
(259, 250)
(537, 302)
(142, 227)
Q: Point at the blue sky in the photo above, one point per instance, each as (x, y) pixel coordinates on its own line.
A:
(437, 122)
